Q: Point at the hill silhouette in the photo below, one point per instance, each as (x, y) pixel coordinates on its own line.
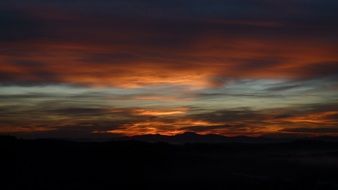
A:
(190, 137)
(132, 164)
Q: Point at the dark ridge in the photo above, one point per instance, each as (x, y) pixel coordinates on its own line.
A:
(191, 137)
(130, 164)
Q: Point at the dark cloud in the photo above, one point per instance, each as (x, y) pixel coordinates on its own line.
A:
(80, 111)
(25, 96)
(231, 128)
(18, 25)
(318, 130)
(253, 65)
(195, 44)
(240, 38)
(242, 95)
(168, 22)
(90, 121)
(323, 69)
(240, 115)
(285, 87)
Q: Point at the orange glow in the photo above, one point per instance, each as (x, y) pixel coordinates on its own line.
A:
(321, 118)
(177, 111)
(83, 68)
(67, 63)
(162, 98)
(27, 129)
(158, 127)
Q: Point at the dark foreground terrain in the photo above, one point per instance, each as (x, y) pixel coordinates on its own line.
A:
(55, 164)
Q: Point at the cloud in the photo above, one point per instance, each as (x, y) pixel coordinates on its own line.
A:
(88, 45)
(313, 131)
(132, 121)
(17, 26)
(158, 126)
(69, 65)
(285, 87)
(207, 66)
(80, 111)
(166, 112)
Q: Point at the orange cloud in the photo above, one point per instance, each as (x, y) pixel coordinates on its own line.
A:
(170, 112)
(24, 129)
(159, 127)
(162, 98)
(76, 47)
(319, 119)
(201, 65)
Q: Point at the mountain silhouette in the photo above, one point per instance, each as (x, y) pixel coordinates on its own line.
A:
(190, 137)
(188, 161)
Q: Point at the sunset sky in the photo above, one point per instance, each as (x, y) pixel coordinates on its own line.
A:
(85, 68)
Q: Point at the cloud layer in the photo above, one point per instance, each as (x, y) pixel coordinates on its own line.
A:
(138, 67)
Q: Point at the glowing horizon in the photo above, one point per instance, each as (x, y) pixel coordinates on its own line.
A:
(79, 69)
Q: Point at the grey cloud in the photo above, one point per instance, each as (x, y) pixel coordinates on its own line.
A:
(318, 130)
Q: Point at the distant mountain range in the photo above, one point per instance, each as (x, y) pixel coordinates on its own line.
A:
(190, 137)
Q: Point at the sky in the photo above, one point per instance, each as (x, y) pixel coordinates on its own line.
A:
(85, 68)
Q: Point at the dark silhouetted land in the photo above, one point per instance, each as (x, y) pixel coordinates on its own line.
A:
(130, 164)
